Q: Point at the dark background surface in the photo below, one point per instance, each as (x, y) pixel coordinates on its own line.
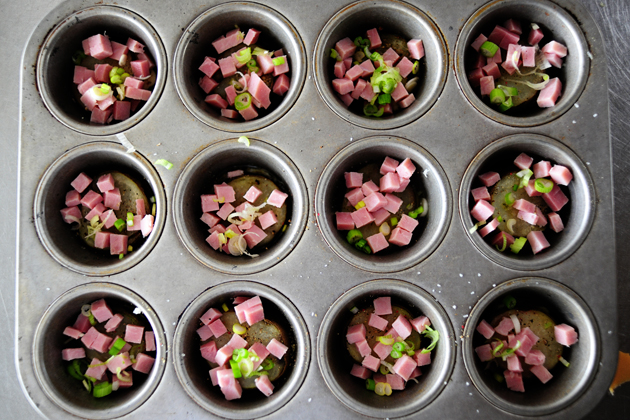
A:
(17, 19)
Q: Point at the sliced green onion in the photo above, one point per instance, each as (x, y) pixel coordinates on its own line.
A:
(498, 348)
(507, 353)
(244, 56)
(117, 346)
(543, 185)
(246, 367)
(119, 224)
(409, 345)
(235, 369)
(525, 175)
(354, 310)
(105, 89)
(121, 256)
(416, 66)
(267, 364)
(508, 90)
(488, 49)
(164, 162)
(393, 221)
(74, 370)
(383, 389)
(225, 307)
(122, 375)
(102, 390)
(239, 329)
(230, 233)
(499, 378)
(509, 199)
(504, 244)
(278, 61)
(509, 301)
(116, 80)
(500, 219)
(384, 370)
(399, 346)
(239, 354)
(335, 55)
(548, 324)
(506, 105)
(414, 214)
(497, 96)
(370, 384)
(370, 110)
(88, 385)
(129, 248)
(518, 244)
(120, 71)
(476, 226)
(78, 57)
(434, 335)
(153, 208)
(396, 354)
(366, 249)
(242, 101)
(563, 361)
(129, 219)
(387, 340)
(354, 236)
(359, 205)
(92, 319)
(514, 187)
(384, 98)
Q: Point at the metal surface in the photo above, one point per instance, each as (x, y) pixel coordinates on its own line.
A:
(310, 135)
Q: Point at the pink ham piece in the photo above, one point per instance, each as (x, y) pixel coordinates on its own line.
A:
(555, 222)
(402, 327)
(82, 324)
(210, 316)
(416, 49)
(535, 36)
(389, 166)
(268, 219)
(482, 210)
(510, 38)
(390, 57)
(206, 83)
(90, 336)
(216, 101)
(505, 326)
(405, 103)
(209, 67)
(422, 359)
(407, 223)
(491, 69)
(81, 182)
(122, 110)
(217, 328)
(209, 351)
(541, 373)
(369, 188)
(81, 74)
(380, 216)
(478, 42)
(146, 225)
(396, 382)
(72, 332)
(474, 77)
(225, 192)
(345, 48)
(100, 47)
(480, 64)
(399, 93)
(404, 66)
(368, 68)
(354, 73)
(393, 203)
(529, 56)
(514, 381)
(134, 334)
(210, 219)
(377, 242)
(73, 198)
(71, 354)
(343, 86)
(377, 322)
(487, 85)
(550, 93)
(96, 211)
(252, 36)
(404, 366)
(346, 99)
(382, 351)
(400, 237)
(356, 333)
(120, 361)
(204, 333)
(117, 244)
(97, 371)
(362, 217)
(480, 193)
(535, 358)
(485, 329)
(360, 372)
(101, 72)
(541, 169)
(524, 205)
(371, 362)
(565, 335)
(101, 311)
(277, 348)
(355, 196)
(344, 221)
(281, 85)
(490, 178)
(560, 175)
(530, 189)
(556, 48)
(339, 70)
(406, 168)
(100, 116)
(252, 194)
(353, 179)
(141, 68)
(144, 363)
(484, 352)
(383, 305)
(374, 37)
(514, 364)
(71, 215)
(513, 26)
(101, 343)
(277, 198)
(523, 161)
(264, 385)
(537, 241)
(112, 199)
(140, 94)
(420, 323)
(374, 201)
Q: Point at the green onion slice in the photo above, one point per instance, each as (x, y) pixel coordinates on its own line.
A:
(370, 384)
(415, 67)
(117, 346)
(399, 347)
(225, 307)
(396, 354)
(74, 370)
(393, 221)
(504, 244)
(242, 101)
(244, 140)
(267, 364)
(239, 329)
(387, 340)
(506, 105)
(244, 56)
(78, 57)
(239, 354)
(434, 335)
(525, 175)
(102, 390)
(518, 245)
(119, 224)
(354, 236)
(165, 163)
(246, 367)
(384, 98)
(509, 199)
(563, 361)
(497, 96)
(509, 301)
(488, 49)
(354, 310)
(235, 369)
(508, 90)
(543, 185)
(278, 61)
(548, 324)
(498, 348)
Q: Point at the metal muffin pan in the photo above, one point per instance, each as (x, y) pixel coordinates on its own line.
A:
(311, 275)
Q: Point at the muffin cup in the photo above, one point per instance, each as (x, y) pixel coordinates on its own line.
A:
(57, 237)
(55, 66)
(578, 214)
(192, 370)
(335, 363)
(212, 164)
(196, 43)
(567, 384)
(552, 19)
(66, 391)
(429, 177)
(395, 17)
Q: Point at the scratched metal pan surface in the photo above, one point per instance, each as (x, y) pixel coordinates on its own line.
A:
(453, 135)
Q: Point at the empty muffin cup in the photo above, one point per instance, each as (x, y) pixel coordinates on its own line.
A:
(394, 18)
(556, 24)
(49, 341)
(577, 215)
(562, 305)
(193, 370)
(428, 182)
(210, 167)
(66, 244)
(335, 361)
(55, 65)
(277, 32)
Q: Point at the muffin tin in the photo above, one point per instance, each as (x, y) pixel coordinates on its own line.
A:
(310, 274)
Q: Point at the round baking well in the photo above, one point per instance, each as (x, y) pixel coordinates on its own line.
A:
(392, 18)
(63, 50)
(215, 165)
(193, 370)
(52, 373)
(576, 215)
(196, 44)
(63, 241)
(556, 24)
(563, 306)
(336, 363)
(428, 182)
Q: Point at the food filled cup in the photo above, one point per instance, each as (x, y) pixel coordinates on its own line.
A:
(239, 66)
(380, 65)
(99, 210)
(383, 204)
(240, 209)
(527, 202)
(416, 374)
(522, 63)
(101, 70)
(88, 385)
(260, 337)
(540, 375)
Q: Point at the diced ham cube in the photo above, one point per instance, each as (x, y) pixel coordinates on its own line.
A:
(281, 85)
(277, 198)
(353, 179)
(481, 62)
(541, 169)
(225, 211)
(268, 219)
(537, 241)
(369, 187)
(339, 70)
(513, 26)
(556, 48)
(377, 242)
(525, 206)
(82, 324)
(71, 354)
(252, 194)
(491, 69)
(266, 63)
(535, 36)
(101, 240)
(210, 316)
(354, 73)
(344, 220)
(482, 210)
(208, 203)
(217, 327)
(487, 85)
(402, 327)
(277, 348)
(505, 326)
(81, 182)
(416, 49)
(371, 362)
(101, 311)
(565, 335)
(206, 83)
(72, 332)
(407, 223)
(383, 305)
(133, 82)
(362, 217)
(358, 89)
(406, 168)
(405, 103)
(514, 364)
(368, 68)
(555, 199)
(523, 161)
(345, 48)
(550, 93)
(209, 67)
(216, 101)
(514, 381)
(485, 329)
(374, 201)
(382, 351)
(112, 199)
(530, 189)
(73, 198)
(209, 351)
(510, 38)
(478, 42)
(134, 333)
(541, 373)
(140, 94)
(555, 222)
(91, 199)
(71, 215)
(252, 36)
(377, 322)
(399, 93)
(118, 244)
(135, 46)
(343, 86)
(101, 72)
(255, 237)
(264, 385)
(490, 178)
(405, 66)
(368, 92)
(404, 366)
(560, 175)
(484, 352)
(98, 371)
(144, 363)
(374, 37)
(400, 237)
(475, 76)
(100, 47)
(122, 110)
(393, 203)
(420, 323)
(360, 372)
(480, 193)
(529, 56)
(535, 358)
(356, 333)
(422, 359)
(380, 216)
